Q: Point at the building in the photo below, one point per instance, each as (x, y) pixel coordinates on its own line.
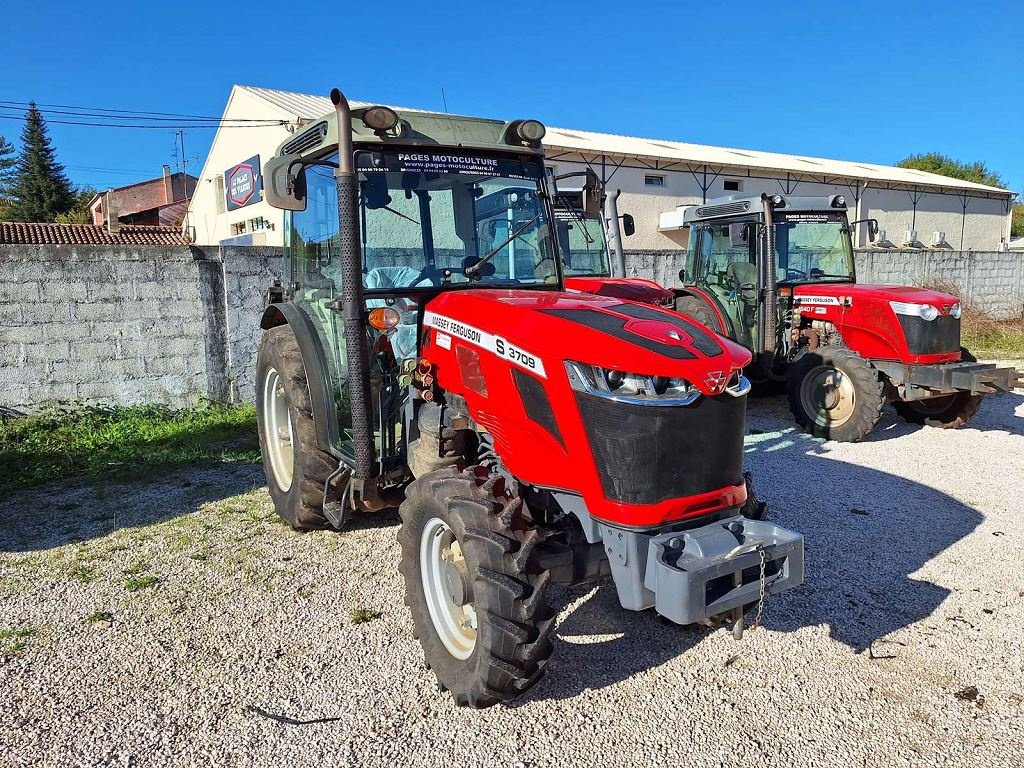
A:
(914, 209)
(157, 202)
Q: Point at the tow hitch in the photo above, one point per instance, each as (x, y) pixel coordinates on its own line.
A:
(921, 381)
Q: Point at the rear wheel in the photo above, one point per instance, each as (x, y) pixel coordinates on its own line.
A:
(944, 411)
(474, 586)
(295, 467)
(835, 393)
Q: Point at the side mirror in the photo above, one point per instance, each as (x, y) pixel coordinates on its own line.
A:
(682, 275)
(284, 183)
(628, 225)
(739, 234)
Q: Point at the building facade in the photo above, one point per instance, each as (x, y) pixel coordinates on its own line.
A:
(914, 209)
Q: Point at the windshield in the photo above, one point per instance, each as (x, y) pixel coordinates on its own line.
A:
(581, 242)
(813, 246)
(427, 217)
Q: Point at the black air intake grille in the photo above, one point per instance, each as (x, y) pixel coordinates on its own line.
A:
(536, 403)
(931, 337)
(646, 454)
(724, 209)
(306, 140)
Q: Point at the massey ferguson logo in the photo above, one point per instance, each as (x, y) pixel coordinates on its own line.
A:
(715, 381)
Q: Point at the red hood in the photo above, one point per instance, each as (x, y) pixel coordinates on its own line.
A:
(598, 330)
(632, 288)
(877, 293)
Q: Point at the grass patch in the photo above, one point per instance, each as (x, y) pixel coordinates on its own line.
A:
(363, 615)
(97, 616)
(83, 572)
(135, 583)
(992, 339)
(15, 638)
(65, 441)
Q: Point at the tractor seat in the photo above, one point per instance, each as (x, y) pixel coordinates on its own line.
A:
(744, 273)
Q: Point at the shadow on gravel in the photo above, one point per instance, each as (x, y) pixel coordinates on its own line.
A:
(58, 514)
(867, 533)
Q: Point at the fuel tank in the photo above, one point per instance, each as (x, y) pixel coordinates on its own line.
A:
(534, 367)
(886, 322)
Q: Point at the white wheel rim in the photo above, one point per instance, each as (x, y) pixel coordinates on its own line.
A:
(828, 396)
(455, 624)
(279, 435)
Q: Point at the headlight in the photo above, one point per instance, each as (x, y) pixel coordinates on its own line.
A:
(647, 390)
(955, 312)
(924, 311)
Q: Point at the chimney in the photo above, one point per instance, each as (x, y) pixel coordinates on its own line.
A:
(168, 186)
(113, 223)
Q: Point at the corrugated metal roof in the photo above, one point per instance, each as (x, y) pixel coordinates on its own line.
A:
(30, 233)
(559, 140)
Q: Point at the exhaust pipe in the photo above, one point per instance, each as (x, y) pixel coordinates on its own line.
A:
(770, 300)
(615, 233)
(352, 305)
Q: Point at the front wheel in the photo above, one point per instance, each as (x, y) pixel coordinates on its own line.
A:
(944, 411)
(474, 586)
(835, 393)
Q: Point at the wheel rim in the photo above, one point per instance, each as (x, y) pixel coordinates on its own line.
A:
(279, 436)
(445, 578)
(932, 405)
(828, 396)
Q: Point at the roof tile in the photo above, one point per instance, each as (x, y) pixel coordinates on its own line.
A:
(30, 233)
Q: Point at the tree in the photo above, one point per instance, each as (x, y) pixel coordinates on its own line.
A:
(79, 213)
(41, 190)
(8, 163)
(1017, 223)
(935, 162)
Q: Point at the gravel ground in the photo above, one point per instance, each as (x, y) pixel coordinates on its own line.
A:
(178, 623)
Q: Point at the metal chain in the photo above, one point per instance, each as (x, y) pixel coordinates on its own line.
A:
(760, 595)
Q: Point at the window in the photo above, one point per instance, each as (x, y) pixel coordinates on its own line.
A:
(238, 228)
(218, 191)
(654, 181)
(257, 224)
(731, 185)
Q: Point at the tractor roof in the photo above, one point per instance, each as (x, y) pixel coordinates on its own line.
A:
(738, 205)
(417, 128)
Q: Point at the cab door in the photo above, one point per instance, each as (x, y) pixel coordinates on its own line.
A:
(725, 269)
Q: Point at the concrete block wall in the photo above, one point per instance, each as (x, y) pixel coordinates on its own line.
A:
(172, 325)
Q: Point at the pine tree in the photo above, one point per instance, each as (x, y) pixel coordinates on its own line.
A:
(8, 163)
(41, 191)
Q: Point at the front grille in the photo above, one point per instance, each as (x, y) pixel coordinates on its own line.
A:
(648, 454)
(931, 337)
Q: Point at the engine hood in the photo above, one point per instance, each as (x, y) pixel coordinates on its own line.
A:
(882, 293)
(538, 330)
(634, 289)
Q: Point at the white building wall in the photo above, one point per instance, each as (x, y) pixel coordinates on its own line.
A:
(208, 216)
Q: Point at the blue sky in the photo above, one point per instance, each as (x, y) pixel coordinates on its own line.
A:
(869, 81)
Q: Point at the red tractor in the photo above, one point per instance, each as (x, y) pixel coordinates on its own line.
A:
(776, 273)
(424, 354)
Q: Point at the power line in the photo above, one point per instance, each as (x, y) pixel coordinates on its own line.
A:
(169, 127)
(115, 112)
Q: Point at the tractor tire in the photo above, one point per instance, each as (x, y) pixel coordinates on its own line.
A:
(835, 393)
(698, 309)
(474, 585)
(296, 469)
(753, 508)
(944, 411)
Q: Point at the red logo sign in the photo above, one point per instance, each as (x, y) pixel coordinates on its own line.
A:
(241, 184)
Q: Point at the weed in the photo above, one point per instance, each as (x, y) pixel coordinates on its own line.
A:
(134, 584)
(83, 572)
(363, 615)
(20, 633)
(139, 566)
(64, 441)
(98, 616)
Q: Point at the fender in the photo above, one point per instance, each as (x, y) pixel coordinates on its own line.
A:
(325, 418)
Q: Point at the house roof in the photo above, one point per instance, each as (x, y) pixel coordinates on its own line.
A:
(676, 154)
(21, 233)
